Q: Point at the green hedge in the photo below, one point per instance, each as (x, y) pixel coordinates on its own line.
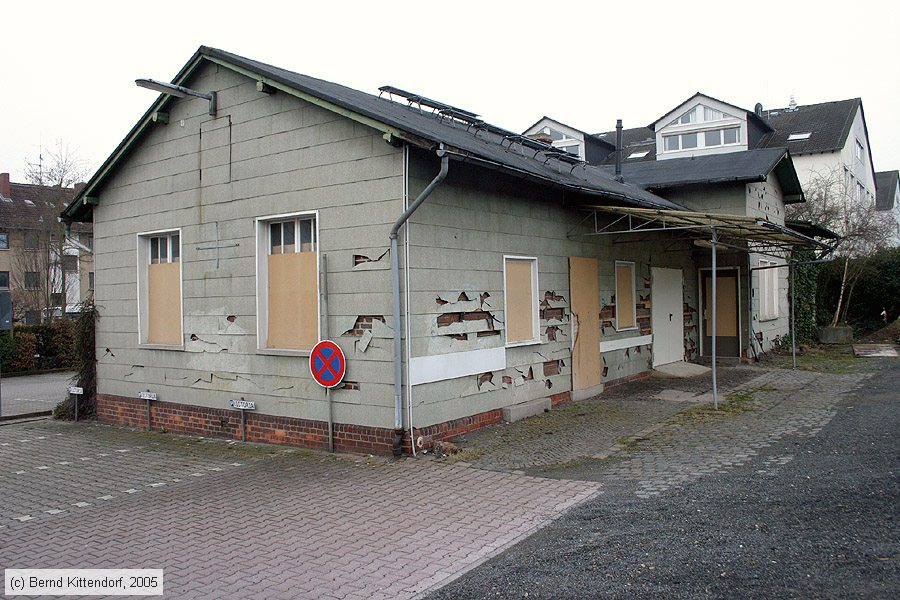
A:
(39, 347)
(878, 288)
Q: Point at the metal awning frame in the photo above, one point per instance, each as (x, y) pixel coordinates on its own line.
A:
(761, 237)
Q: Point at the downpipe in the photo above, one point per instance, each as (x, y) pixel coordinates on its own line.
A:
(397, 444)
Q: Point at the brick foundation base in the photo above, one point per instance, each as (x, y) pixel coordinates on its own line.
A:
(628, 379)
(186, 419)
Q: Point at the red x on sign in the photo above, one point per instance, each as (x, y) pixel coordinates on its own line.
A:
(327, 364)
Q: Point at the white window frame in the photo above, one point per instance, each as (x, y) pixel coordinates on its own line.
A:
(633, 293)
(701, 139)
(263, 249)
(860, 151)
(768, 290)
(142, 245)
(535, 308)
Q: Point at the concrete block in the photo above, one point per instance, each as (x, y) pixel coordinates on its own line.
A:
(517, 412)
(841, 334)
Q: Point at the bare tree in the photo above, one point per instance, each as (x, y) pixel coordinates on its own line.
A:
(59, 166)
(832, 200)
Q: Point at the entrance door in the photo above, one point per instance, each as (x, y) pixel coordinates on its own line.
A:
(728, 341)
(584, 289)
(667, 313)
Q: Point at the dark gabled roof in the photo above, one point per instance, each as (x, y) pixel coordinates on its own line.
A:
(34, 207)
(739, 167)
(886, 186)
(412, 124)
(750, 114)
(637, 139)
(828, 122)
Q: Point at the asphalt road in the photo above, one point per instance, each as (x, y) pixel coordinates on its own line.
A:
(809, 517)
(33, 393)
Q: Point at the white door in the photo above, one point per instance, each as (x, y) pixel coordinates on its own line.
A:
(667, 314)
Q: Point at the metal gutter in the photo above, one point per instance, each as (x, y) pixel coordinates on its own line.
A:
(395, 290)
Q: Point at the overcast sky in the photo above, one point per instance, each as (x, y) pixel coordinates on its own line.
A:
(67, 68)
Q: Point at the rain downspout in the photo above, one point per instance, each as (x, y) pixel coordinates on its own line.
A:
(395, 285)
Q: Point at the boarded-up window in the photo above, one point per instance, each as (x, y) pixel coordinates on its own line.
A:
(292, 290)
(163, 290)
(521, 300)
(768, 291)
(625, 313)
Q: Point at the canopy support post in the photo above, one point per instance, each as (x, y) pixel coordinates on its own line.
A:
(715, 392)
(793, 314)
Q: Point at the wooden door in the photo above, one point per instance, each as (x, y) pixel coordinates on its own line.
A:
(584, 289)
(727, 324)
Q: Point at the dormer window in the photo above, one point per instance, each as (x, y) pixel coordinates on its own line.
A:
(563, 141)
(711, 138)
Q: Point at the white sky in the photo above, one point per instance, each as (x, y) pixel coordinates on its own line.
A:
(67, 68)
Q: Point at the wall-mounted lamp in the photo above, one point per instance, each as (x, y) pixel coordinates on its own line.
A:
(178, 91)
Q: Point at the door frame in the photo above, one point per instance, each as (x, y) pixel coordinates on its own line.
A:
(737, 299)
(679, 313)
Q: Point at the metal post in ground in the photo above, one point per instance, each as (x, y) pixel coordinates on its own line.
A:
(715, 392)
(793, 314)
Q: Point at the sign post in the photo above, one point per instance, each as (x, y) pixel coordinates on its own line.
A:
(243, 406)
(74, 392)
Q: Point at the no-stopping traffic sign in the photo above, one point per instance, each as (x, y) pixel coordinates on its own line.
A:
(327, 364)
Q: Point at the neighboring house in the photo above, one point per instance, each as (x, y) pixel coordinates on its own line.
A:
(824, 137)
(229, 243)
(888, 197)
(48, 276)
(711, 156)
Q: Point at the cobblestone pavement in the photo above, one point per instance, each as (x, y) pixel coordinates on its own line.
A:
(594, 427)
(228, 520)
(802, 504)
(696, 443)
(33, 393)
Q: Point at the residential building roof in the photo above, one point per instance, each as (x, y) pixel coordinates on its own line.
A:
(886, 186)
(634, 140)
(466, 139)
(828, 124)
(34, 207)
(740, 167)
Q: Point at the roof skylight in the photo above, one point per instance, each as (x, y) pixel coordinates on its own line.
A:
(639, 154)
(796, 137)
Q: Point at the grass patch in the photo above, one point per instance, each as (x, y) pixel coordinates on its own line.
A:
(834, 359)
(465, 455)
(628, 444)
(734, 403)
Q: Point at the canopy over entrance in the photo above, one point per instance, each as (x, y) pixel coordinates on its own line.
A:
(708, 230)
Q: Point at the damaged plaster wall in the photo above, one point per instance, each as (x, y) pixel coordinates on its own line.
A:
(262, 155)
(458, 240)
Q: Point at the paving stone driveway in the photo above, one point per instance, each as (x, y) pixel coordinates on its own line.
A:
(235, 521)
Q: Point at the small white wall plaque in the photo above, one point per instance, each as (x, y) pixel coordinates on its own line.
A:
(243, 404)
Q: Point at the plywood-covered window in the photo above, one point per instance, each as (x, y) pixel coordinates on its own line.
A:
(159, 288)
(768, 291)
(288, 289)
(520, 299)
(625, 311)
